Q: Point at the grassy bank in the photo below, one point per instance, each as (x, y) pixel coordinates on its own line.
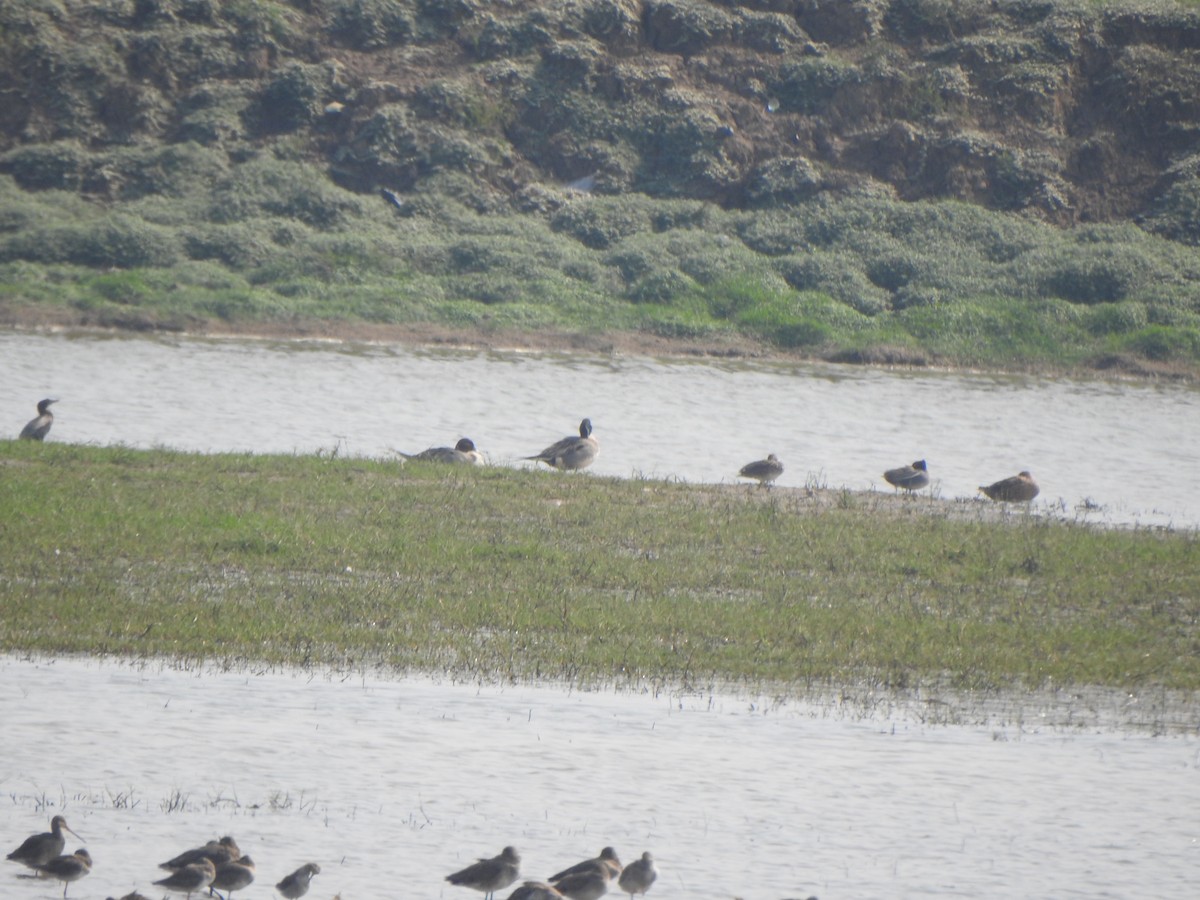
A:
(531, 574)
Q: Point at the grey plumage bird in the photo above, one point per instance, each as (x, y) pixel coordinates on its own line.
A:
(764, 471)
(67, 868)
(637, 877)
(535, 890)
(910, 478)
(217, 851)
(462, 452)
(489, 875)
(37, 429)
(571, 453)
(1019, 488)
(38, 849)
(588, 880)
(190, 878)
(295, 885)
(233, 875)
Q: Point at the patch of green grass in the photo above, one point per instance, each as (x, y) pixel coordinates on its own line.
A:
(522, 574)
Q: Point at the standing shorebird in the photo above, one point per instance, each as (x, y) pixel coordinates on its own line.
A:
(910, 478)
(190, 878)
(535, 890)
(217, 852)
(490, 875)
(764, 471)
(67, 868)
(38, 849)
(588, 880)
(37, 429)
(233, 876)
(637, 877)
(296, 884)
(571, 453)
(462, 452)
(1020, 488)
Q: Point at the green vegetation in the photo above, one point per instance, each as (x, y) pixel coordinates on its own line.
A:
(1001, 185)
(498, 572)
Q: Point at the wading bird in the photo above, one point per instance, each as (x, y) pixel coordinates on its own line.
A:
(588, 880)
(1019, 488)
(535, 890)
(490, 875)
(764, 471)
(67, 868)
(637, 877)
(910, 478)
(296, 884)
(37, 429)
(572, 452)
(217, 852)
(191, 878)
(233, 876)
(38, 849)
(462, 452)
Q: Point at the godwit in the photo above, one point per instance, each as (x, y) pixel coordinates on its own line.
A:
(133, 895)
(37, 429)
(1020, 488)
(233, 876)
(38, 849)
(607, 861)
(462, 452)
(535, 890)
(191, 878)
(911, 478)
(571, 452)
(216, 851)
(68, 868)
(764, 471)
(296, 884)
(637, 877)
(589, 879)
(490, 875)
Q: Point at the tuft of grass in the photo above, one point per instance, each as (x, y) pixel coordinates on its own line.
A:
(520, 574)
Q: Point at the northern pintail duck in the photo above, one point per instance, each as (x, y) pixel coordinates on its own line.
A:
(37, 429)
(489, 875)
(637, 877)
(462, 452)
(1019, 488)
(67, 868)
(295, 885)
(764, 471)
(191, 878)
(571, 452)
(910, 478)
(38, 849)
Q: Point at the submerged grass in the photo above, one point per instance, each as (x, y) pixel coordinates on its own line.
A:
(521, 574)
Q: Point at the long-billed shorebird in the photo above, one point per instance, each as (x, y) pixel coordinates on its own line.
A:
(38, 849)
(462, 452)
(764, 471)
(571, 453)
(910, 478)
(490, 875)
(535, 890)
(637, 877)
(296, 884)
(233, 876)
(190, 878)
(216, 851)
(1020, 488)
(37, 429)
(67, 868)
(589, 879)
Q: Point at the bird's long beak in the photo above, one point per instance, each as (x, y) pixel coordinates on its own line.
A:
(67, 827)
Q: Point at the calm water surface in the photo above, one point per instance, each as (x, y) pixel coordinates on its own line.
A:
(390, 785)
(1131, 449)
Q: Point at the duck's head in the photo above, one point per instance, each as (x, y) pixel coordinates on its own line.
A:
(585, 428)
(465, 445)
(920, 464)
(43, 405)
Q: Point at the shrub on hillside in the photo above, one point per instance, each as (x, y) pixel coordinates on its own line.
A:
(371, 24)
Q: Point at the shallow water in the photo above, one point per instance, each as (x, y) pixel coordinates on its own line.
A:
(391, 785)
(1131, 449)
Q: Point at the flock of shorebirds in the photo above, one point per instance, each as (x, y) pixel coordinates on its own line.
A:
(576, 452)
(217, 866)
(587, 880)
